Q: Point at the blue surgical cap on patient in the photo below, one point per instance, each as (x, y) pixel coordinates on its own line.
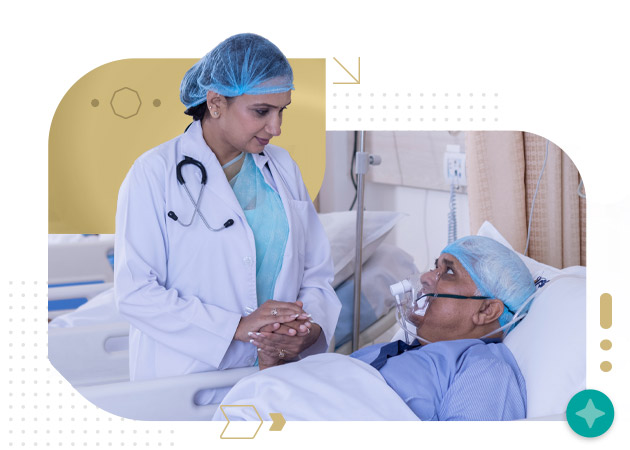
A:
(242, 64)
(497, 271)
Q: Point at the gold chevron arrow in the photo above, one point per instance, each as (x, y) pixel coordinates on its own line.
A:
(356, 80)
(278, 421)
(256, 418)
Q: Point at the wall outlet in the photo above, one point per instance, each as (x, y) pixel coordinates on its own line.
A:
(455, 166)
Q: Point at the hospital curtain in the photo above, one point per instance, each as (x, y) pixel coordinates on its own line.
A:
(503, 169)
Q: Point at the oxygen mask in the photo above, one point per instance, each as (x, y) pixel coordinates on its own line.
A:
(409, 309)
(412, 302)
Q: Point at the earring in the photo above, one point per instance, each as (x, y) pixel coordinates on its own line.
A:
(216, 113)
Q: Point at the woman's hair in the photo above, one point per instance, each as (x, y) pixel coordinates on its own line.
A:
(242, 64)
(197, 112)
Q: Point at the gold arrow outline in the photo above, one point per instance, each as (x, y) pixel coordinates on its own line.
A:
(228, 421)
(356, 81)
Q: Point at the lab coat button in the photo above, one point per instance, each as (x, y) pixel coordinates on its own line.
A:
(247, 260)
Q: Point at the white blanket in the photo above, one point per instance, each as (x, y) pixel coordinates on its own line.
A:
(327, 386)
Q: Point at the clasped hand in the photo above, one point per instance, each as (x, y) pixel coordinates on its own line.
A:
(280, 330)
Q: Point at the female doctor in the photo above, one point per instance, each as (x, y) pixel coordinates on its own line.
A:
(219, 251)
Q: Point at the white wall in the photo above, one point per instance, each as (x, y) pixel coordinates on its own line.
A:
(423, 233)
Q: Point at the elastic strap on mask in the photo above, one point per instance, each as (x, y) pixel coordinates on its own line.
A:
(517, 316)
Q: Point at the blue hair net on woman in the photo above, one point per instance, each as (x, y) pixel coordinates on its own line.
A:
(497, 271)
(242, 64)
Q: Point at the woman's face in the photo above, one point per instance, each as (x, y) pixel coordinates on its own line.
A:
(248, 122)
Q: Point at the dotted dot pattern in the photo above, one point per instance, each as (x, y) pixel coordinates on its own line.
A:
(43, 409)
(400, 110)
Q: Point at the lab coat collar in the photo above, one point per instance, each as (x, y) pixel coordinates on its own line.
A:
(195, 146)
(261, 159)
(273, 177)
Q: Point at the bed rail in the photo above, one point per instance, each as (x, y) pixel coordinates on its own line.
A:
(81, 354)
(170, 398)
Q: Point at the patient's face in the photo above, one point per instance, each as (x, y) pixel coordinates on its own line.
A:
(447, 318)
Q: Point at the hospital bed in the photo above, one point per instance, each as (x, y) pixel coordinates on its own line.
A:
(79, 267)
(549, 346)
(75, 260)
(84, 357)
(91, 351)
(550, 353)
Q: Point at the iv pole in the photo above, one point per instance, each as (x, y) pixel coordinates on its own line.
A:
(363, 161)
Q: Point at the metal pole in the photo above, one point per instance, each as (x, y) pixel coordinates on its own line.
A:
(361, 169)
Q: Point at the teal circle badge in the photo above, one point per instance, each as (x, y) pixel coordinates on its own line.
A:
(590, 413)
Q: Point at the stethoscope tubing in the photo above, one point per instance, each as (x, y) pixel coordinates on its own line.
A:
(182, 181)
(196, 205)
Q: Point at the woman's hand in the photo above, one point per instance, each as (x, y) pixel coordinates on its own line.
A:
(299, 327)
(270, 312)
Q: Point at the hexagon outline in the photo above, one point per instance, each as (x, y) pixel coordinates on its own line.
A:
(228, 421)
(111, 102)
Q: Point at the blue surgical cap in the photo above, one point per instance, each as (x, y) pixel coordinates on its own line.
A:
(497, 271)
(242, 64)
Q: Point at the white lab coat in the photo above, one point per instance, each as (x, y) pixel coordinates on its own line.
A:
(184, 290)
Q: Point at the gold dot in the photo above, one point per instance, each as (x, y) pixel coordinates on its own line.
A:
(94, 102)
(157, 102)
(605, 366)
(605, 344)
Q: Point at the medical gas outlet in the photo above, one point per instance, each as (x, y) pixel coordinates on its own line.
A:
(455, 166)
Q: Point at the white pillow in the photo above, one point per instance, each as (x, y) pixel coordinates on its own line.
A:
(537, 269)
(549, 345)
(340, 228)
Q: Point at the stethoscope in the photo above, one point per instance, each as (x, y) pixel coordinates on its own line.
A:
(204, 178)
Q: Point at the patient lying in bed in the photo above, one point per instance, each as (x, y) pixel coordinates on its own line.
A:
(456, 368)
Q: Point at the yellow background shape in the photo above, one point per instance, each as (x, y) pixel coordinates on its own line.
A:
(120, 110)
